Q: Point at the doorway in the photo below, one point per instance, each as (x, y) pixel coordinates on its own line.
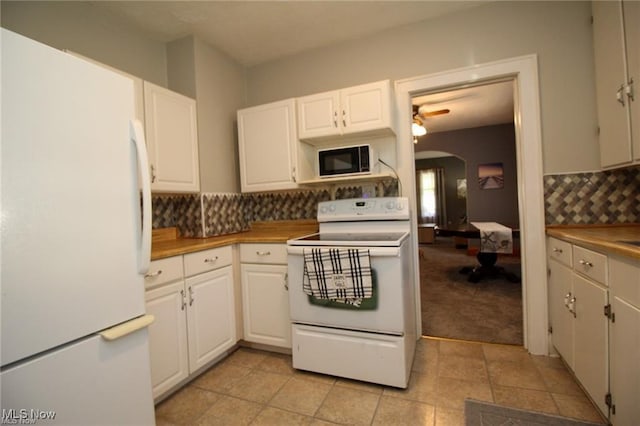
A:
(475, 124)
(523, 71)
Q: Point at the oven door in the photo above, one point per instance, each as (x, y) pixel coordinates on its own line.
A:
(395, 310)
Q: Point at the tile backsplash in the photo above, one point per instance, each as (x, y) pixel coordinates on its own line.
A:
(607, 197)
(210, 214)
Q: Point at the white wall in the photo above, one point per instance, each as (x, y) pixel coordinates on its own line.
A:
(181, 71)
(90, 31)
(216, 82)
(219, 93)
(558, 32)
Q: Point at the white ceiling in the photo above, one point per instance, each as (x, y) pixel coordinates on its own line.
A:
(470, 107)
(254, 32)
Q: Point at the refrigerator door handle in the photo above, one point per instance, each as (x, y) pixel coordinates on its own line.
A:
(144, 254)
(127, 328)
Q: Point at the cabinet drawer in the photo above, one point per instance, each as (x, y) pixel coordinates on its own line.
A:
(591, 264)
(163, 271)
(207, 260)
(559, 250)
(263, 253)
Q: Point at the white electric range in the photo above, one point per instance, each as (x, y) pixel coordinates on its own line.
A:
(374, 342)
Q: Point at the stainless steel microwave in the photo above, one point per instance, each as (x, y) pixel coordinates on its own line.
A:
(347, 160)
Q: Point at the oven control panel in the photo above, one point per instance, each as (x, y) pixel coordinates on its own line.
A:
(358, 209)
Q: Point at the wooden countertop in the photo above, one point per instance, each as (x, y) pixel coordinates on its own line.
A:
(605, 238)
(167, 243)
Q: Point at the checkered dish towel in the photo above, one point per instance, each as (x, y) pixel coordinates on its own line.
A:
(337, 273)
(494, 238)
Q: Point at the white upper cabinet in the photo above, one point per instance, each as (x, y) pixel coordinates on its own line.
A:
(172, 140)
(267, 147)
(318, 115)
(358, 110)
(617, 51)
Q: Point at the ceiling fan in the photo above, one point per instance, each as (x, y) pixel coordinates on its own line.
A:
(420, 113)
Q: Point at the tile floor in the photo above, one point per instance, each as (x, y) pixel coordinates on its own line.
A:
(261, 388)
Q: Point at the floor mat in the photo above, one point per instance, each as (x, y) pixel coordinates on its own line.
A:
(479, 413)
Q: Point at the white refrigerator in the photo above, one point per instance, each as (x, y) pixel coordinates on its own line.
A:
(75, 240)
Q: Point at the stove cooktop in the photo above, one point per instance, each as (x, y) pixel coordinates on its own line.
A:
(376, 239)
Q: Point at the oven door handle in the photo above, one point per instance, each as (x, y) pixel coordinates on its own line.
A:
(373, 251)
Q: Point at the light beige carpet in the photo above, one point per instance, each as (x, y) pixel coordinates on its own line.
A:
(452, 307)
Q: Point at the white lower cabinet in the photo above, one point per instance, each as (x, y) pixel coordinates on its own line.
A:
(591, 363)
(624, 341)
(167, 337)
(210, 316)
(265, 294)
(194, 317)
(560, 316)
(594, 316)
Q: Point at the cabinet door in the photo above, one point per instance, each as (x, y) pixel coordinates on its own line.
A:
(366, 107)
(624, 342)
(172, 140)
(267, 140)
(625, 362)
(561, 319)
(591, 363)
(318, 115)
(167, 336)
(608, 33)
(631, 10)
(210, 316)
(266, 304)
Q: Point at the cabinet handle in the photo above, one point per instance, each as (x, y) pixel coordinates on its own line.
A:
(344, 118)
(286, 281)
(557, 250)
(153, 274)
(211, 259)
(572, 306)
(190, 296)
(294, 178)
(263, 253)
(153, 174)
(629, 91)
(184, 300)
(335, 119)
(566, 299)
(586, 263)
(619, 95)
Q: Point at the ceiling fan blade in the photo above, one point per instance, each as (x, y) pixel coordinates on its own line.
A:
(426, 114)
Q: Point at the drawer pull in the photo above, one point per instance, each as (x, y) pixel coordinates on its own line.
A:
(153, 274)
(210, 259)
(263, 253)
(586, 263)
(557, 250)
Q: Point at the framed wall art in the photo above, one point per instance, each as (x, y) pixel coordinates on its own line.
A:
(491, 176)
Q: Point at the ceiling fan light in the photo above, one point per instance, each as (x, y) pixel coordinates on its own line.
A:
(418, 130)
